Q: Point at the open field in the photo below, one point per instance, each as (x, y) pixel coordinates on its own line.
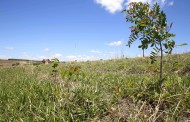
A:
(112, 90)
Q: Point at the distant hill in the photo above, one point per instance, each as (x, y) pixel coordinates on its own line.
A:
(16, 62)
(23, 60)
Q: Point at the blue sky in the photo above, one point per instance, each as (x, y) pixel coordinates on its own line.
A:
(78, 29)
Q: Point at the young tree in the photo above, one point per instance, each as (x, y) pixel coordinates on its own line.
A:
(151, 28)
(55, 63)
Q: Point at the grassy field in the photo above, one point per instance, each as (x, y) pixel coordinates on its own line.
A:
(112, 90)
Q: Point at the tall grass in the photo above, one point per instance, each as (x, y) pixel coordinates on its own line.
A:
(121, 90)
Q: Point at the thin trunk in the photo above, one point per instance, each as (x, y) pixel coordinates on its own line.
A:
(161, 70)
(143, 52)
(55, 77)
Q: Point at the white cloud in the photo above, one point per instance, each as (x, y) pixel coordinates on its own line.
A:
(25, 55)
(116, 43)
(4, 57)
(95, 51)
(161, 2)
(79, 58)
(46, 49)
(58, 55)
(171, 3)
(111, 5)
(42, 57)
(143, 1)
(9, 48)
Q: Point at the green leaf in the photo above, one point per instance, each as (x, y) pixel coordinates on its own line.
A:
(146, 32)
(123, 11)
(140, 46)
(184, 44)
(152, 45)
(143, 25)
(165, 45)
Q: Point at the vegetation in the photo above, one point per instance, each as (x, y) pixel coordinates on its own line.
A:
(112, 90)
(55, 63)
(152, 29)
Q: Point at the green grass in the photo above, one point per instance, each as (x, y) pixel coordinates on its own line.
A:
(114, 90)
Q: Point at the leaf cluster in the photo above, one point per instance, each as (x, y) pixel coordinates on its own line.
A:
(150, 27)
(55, 63)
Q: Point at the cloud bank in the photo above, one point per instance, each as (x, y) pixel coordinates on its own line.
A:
(9, 48)
(116, 43)
(95, 51)
(171, 3)
(46, 49)
(113, 6)
(79, 58)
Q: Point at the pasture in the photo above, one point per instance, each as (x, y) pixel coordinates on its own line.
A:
(106, 90)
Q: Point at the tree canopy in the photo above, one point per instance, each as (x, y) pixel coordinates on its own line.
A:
(150, 27)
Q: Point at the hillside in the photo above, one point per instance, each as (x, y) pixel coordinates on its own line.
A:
(172, 63)
(17, 62)
(111, 90)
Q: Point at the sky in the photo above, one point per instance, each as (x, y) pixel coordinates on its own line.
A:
(78, 29)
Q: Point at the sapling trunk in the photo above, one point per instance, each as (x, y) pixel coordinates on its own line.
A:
(143, 52)
(161, 69)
